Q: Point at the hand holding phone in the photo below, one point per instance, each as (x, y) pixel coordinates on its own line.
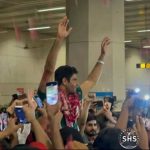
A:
(97, 104)
(38, 101)
(131, 93)
(107, 106)
(52, 93)
(20, 115)
(92, 95)
(146, 122)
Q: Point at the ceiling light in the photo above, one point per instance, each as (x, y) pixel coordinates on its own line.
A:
(144, 30)
(132, 0)
(128, 0)
(128, 41)
(146, 97)
(148, 46)
(3, 31)
(137, 90)
(38, 28)
(51, 9)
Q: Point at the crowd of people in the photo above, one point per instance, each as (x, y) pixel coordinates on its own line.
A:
(76, 121)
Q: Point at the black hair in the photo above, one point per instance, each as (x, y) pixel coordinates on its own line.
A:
(14, 96)
(66, 132)
(64, 72)
(91, 117)
(108, 139)
(17, 97)
(91, 111)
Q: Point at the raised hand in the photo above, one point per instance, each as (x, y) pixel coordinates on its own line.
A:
(58, 117)
(12, 127)
(104, 45)
(141, 131)
(29, 113)
(128, 103)
(31, 101)
(10, 109)
(63, 32)
(43, 110)
(91, 98)
(53, 109)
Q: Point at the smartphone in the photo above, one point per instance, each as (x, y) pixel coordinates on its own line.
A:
(130, 123)
(147, 123)
(3, 121)
(99, 103)
(52, 93)
(20, 115)
(38, 101)
(131, 93)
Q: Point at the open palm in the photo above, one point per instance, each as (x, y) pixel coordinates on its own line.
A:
(104, 45)
(63, 32)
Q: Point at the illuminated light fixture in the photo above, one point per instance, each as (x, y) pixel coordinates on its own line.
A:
(129, 0)
(39, 28)
(128, 41)
(148, 46)
(132, 0)
(51, 9)
(137, 90)
(146, 97)
(3, 31)
(144, 30)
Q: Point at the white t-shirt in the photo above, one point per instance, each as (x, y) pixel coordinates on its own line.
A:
(22, 136)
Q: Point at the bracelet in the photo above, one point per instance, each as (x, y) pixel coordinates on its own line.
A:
(100, 62)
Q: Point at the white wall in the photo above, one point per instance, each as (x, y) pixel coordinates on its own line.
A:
(22, 67)
(136, 77)
(108, 21)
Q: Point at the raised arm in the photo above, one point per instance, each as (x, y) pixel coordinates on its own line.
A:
(12, 127)
(84, 113)
(123, 118)
(97, 70)
(55, 117)
(142, 133)
(40, 134)
(48, 74)
(56, 136)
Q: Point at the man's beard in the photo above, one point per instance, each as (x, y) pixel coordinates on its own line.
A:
(91, 133)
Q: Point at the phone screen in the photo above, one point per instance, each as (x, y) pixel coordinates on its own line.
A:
(38, 101)
(100, 104)
(52, 93)
(20, 114)
(3, 121)
(147, 123)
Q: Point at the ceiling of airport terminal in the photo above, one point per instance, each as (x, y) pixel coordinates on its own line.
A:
(23, 14)
(137, 18)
